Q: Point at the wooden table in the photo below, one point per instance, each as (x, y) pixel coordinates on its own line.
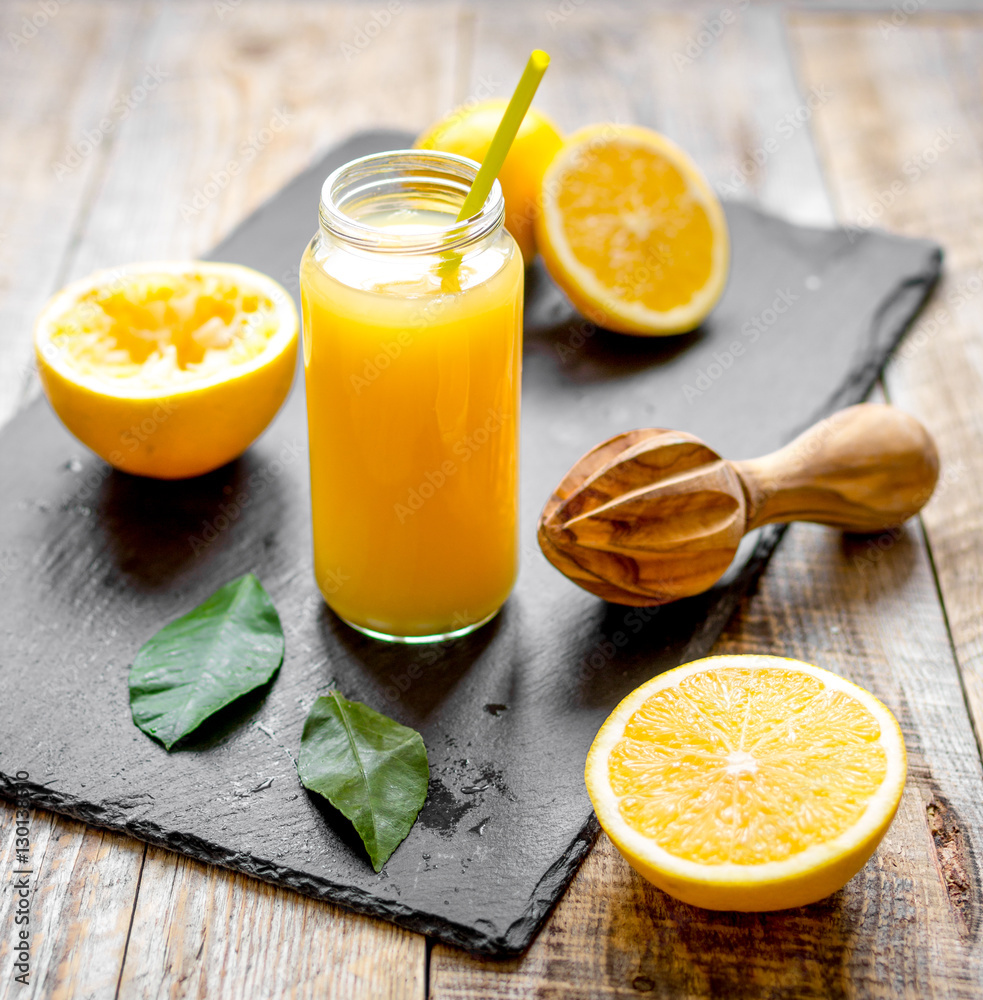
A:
(118, 120)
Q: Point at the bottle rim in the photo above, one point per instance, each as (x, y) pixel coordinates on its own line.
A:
(397, 178)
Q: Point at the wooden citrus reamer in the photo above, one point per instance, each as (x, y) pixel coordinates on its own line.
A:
(650, 516)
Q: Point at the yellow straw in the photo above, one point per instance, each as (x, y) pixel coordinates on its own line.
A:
(505, 134)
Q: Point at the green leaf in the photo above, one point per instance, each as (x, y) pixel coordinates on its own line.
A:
(370, 768)
(228, 646)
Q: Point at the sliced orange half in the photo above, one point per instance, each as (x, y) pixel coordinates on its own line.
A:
(747, 782)
(168, 368)
(632, 232)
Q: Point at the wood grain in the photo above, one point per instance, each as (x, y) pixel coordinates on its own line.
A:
(200, 932)
(867, 468)
(737, 106)
(651, 516)
(228, 80)
(84, 886)
(56, 82)
(199, 86)
(250, 94)
(644, 518)
(908, 925)
(902, 144)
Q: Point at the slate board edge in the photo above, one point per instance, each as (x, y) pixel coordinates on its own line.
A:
(910, 296)
(516, 939)
(909, 299)
(920, 288)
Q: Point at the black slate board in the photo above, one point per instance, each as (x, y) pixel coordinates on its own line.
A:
(93, 562)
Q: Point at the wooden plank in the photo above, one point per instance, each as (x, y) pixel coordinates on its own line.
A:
(200, 931)
(906, 925)
(807, 963)
(199, 87)
(82, 886)
(58, 75)
(903, 149)
(249, 97)
(727, 90)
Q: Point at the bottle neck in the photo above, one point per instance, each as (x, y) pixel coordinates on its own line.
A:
(362, 201)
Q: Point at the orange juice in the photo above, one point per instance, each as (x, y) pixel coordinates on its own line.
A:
(412, 353)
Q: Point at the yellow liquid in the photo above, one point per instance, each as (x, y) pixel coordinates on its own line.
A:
(413, 377)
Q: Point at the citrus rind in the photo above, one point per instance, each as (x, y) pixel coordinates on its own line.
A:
(803, 878)
(585, 290)
(180, 429)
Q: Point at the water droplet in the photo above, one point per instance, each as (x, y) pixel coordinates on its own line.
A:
(73, 465)
(496, 709)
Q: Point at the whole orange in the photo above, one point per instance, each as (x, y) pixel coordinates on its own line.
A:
(468, 131)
